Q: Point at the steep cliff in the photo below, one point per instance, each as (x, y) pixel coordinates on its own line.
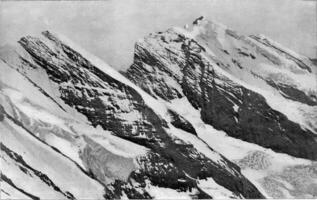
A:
(246, 87)
(118, 139)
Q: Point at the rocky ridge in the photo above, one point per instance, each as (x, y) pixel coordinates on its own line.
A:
(92, 110)
(197, 115)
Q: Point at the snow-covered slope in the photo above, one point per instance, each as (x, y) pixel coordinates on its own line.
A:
(72, 127)
(203, 112)
(247, 97)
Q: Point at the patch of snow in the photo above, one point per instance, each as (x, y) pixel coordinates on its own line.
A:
(10, 78)
(9, 192)
(28, 182)
(110, 142)
(198, 144)
(235, 108)
(65, 147)
(304, 81)
(165, 193)
(215, 190)
(30, 110)
(279, 46)
(58, 168)
(124, 196)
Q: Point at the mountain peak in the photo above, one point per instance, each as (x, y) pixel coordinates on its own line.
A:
(194, 100)
(204, 23)
(65, 80)
(247, 86)
(198, 20)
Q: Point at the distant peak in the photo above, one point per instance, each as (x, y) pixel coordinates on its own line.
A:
(209, 24)
(49, 34)
(46, 32)
(198, 20)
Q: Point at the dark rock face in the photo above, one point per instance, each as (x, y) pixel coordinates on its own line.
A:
(314, 61)
(118, 108)
(181, 123)
(256, 122)
(1, 113)
(224, 104)
(294, 93)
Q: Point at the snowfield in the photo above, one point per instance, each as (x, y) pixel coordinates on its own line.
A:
(51, 148)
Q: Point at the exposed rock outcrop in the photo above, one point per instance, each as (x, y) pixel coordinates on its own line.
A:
(218, 71)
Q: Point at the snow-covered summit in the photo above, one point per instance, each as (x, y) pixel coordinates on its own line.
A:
(197, 115)
(250, 87)
(117, 140)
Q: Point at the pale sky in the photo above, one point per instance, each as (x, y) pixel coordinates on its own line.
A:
(110, 28)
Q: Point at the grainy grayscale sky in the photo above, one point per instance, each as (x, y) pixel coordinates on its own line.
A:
(109, 28)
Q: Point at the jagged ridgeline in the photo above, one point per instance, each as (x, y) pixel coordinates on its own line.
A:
(202, 112)
(232, 80)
